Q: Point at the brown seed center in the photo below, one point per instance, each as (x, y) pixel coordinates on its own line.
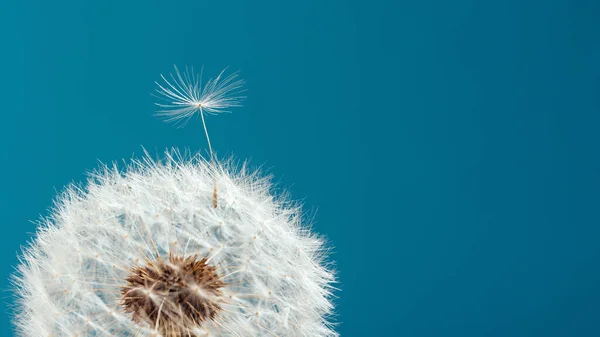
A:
(175, 296)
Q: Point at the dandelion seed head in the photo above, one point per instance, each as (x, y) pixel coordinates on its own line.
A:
(143, 252)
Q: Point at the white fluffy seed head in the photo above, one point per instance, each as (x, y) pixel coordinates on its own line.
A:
(275, 277)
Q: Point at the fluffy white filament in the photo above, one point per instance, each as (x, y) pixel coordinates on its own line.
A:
(184, 95)
(278, 282)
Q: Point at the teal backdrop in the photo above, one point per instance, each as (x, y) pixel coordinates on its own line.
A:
(447, 149)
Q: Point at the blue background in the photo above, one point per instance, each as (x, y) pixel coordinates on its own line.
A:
(450, 147)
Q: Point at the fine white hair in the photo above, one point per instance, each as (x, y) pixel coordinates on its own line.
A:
(183, 95)
(279, 281)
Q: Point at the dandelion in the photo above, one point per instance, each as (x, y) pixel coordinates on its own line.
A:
(146, 251)
(141, 252)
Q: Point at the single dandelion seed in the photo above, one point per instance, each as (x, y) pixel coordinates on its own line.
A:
(185, 97)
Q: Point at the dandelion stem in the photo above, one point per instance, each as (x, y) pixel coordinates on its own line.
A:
(212, 158)
(207, 137)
